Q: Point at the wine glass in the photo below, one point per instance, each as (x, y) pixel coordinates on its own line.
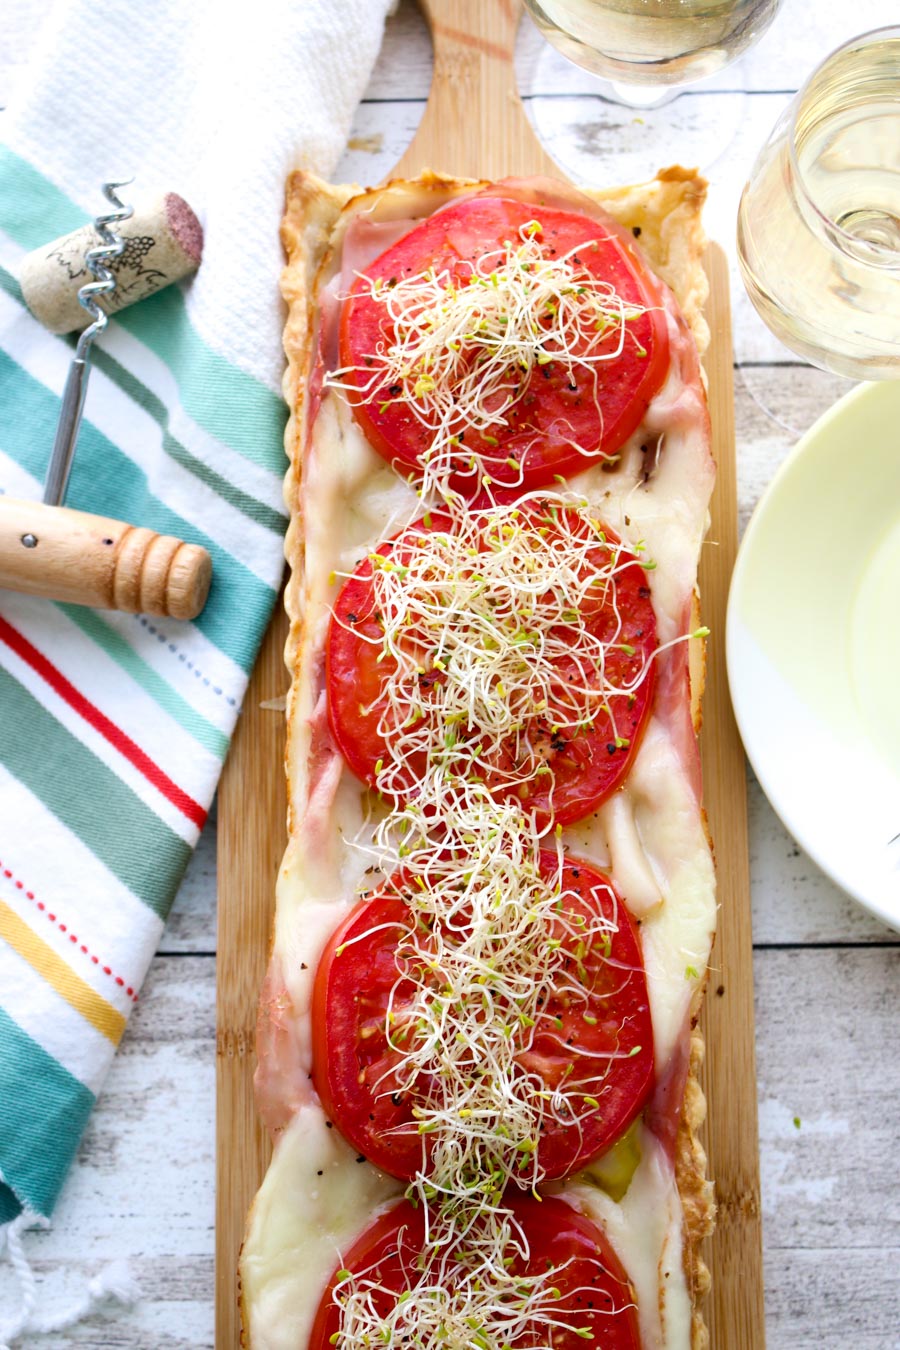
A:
(643, 55)
(641, 45)
(819, 220)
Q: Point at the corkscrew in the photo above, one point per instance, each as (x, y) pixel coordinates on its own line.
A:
(46, 549)
(104, 283)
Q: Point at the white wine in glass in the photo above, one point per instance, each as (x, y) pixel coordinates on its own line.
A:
(652, 42)
(819, 221)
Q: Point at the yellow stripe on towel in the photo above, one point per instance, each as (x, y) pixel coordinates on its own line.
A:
(60, 976)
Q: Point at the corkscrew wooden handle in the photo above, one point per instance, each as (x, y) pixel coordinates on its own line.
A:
(62, 554)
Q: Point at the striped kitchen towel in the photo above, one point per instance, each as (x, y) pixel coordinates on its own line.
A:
(113, 728)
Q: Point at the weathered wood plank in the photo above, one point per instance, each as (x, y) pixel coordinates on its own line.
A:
(826, 1027)
(143, 1182)
(578, 128)
(847, 1299)
(142, 1186)
(192, 921)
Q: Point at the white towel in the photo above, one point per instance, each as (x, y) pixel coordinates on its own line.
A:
(217, 100)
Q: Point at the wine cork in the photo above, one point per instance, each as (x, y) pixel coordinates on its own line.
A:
(163, 243)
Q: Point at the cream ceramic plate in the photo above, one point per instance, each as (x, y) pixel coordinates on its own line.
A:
(813, 645)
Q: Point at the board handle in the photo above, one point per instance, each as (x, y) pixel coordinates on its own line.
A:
(61, 554)
(474, 124)
(458, 27)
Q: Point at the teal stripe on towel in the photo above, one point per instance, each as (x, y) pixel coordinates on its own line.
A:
(43, 1111)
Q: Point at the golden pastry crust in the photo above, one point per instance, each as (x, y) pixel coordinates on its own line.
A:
(312, 208)
(664, 215)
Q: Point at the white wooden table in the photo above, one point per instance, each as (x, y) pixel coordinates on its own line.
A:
(826, 975)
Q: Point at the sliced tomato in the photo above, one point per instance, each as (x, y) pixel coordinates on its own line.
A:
(559, 422)
(587, 763)
(595, 1303)
(597, 1046)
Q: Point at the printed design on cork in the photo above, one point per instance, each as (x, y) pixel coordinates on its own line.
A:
(128, 267)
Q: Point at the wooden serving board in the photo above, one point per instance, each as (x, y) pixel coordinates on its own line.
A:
(474, 125)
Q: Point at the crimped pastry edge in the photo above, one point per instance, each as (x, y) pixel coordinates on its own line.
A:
(664, 214)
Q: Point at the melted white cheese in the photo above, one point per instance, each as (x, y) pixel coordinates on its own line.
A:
(647, 1219)
(315, 1201)
(661, 864)
(650, 837)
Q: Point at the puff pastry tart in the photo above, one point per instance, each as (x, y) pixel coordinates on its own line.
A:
(476, 1044)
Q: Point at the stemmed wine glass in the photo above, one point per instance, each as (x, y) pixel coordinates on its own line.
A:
(643, 55)
(819, 220)
(646, 46)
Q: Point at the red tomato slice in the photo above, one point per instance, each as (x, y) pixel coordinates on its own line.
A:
(355, 1068)
(595, 1298)
(588, 763)
(558, 423)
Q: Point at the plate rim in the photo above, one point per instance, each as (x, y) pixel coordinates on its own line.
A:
(844, 406)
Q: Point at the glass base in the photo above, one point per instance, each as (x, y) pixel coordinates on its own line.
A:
(788, 392)
(612, 132)
(638, 95)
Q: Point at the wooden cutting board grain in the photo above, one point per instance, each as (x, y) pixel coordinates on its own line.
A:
(475, 125)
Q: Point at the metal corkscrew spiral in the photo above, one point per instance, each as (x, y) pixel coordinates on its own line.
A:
(104, 284)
